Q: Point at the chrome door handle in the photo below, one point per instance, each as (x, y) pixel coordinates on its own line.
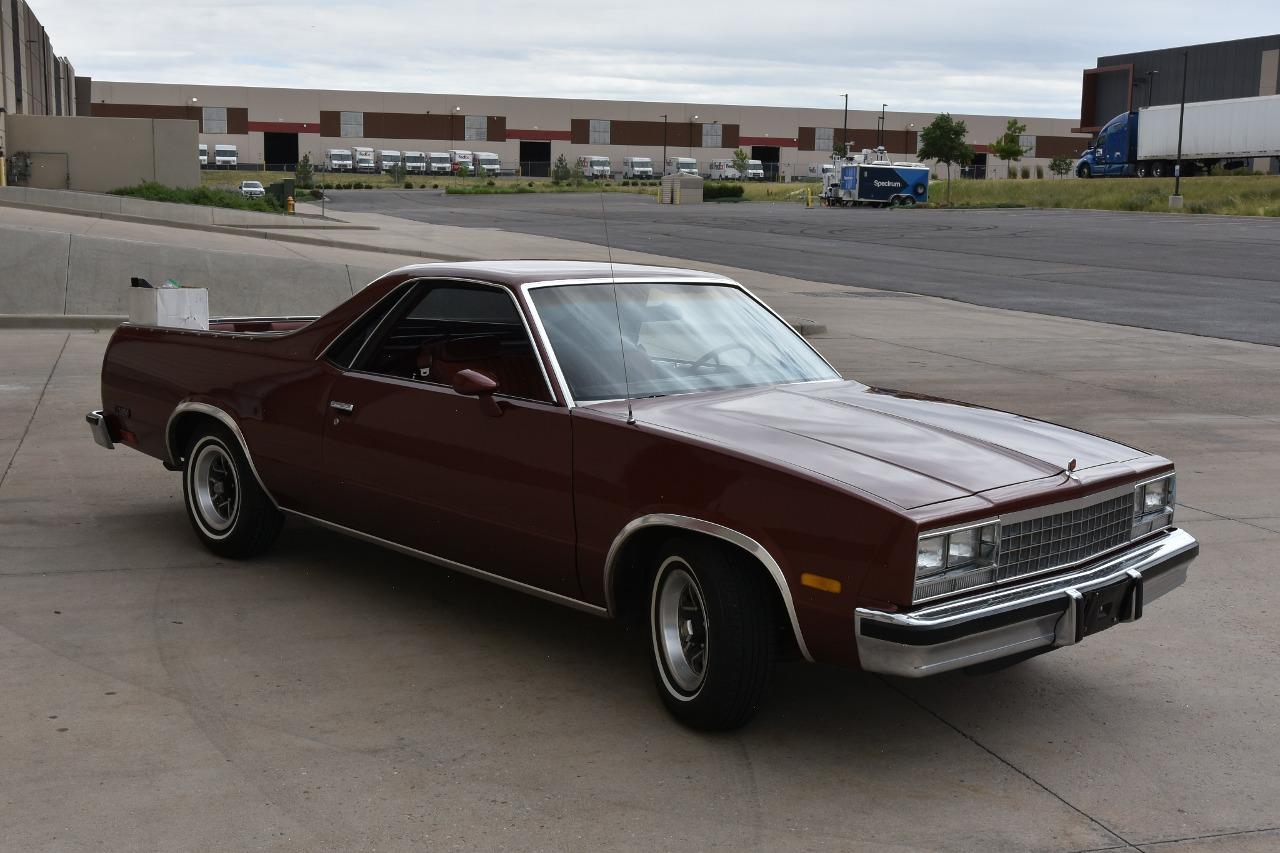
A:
(342, 407)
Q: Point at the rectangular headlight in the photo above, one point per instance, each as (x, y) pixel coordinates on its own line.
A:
(1153, 504)
(957, 558)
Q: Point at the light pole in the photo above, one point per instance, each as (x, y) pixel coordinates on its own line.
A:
(880, 140)
(691, 121)
(664, 143)
(1177, 165)
(452, 132)
(844, 130)
(1150, 80)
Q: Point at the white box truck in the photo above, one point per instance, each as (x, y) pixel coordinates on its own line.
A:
(458, 159)
(337, 160)
(637, 167)
(724, 170)
(388, 160)
(226, 156)
(682, 166)
(439, 163)
(755, 171)
(202, 151)
(415, 163)
(487, 163)
(364, 159)
(595, 166)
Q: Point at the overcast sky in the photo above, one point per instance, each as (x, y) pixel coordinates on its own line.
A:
(927, 55)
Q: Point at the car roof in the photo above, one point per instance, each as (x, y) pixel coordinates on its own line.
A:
(517, 272)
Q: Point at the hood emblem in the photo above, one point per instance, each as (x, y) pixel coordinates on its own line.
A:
(1070, 471)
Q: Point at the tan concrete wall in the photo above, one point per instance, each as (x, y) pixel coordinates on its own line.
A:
(544, 114)
(102, 154)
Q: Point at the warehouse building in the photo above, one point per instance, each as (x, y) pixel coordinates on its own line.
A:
(33, 79)
(275, 127)
(1244, 68)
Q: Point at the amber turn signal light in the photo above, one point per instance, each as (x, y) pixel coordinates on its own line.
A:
(819, 582)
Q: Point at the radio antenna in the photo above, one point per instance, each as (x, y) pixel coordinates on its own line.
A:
(622, 347)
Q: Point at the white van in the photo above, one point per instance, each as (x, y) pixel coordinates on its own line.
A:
(415, 163)
(364, 159)
(724, 170)
(755, 171)
(637, 167)
(439, 163)
(226, 156)
(682, 165)
(388, 160)
(458, 159)
(487, 163)
(595, 166)
(337, 160)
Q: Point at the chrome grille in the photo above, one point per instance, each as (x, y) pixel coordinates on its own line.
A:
(1049, 542)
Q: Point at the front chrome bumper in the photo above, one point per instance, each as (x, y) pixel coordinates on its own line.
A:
(1057, 611)
(98, 426)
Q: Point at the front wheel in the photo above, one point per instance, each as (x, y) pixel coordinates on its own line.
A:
(710, 621)
(230, 513)
(1083, 171)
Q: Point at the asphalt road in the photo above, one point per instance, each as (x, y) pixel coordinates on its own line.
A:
(1204, 275)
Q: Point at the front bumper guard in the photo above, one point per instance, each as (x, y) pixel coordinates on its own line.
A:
(1051, 612)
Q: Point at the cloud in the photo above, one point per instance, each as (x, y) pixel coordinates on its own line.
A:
(983, 57)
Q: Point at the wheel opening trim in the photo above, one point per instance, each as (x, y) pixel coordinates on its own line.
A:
(220, 415)
(709, 528)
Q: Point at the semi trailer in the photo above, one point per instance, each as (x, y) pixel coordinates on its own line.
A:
(1144, 143)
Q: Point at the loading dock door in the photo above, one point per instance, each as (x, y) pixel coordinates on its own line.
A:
(768, 155)
(535, 158)
(280, 150)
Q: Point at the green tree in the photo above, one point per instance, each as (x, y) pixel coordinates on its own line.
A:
(303, 172)
(560, 172)
(943, 140)
(464, 171)
(740, 159)
(397, 173)
(1009, 146)
(1060, 166)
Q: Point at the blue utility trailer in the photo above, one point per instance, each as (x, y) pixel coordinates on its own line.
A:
(870, 179)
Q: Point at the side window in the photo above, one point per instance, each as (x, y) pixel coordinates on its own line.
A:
(343, 351)
(452, 327)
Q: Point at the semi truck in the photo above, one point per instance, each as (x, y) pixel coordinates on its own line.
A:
(337, 160)
(415, 162)
(1144, 143)
(869, 178)
(364, 160)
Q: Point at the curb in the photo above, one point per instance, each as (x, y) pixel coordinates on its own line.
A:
(61, 321)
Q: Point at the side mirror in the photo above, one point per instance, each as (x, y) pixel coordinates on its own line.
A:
(475, 384)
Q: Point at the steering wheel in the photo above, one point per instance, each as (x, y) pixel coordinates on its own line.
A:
(714, 354)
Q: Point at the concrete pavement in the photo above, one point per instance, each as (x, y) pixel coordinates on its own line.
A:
(335, 696)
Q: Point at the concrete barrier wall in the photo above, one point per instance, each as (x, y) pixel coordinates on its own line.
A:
(187, 214)
(49, 273)
(100, 154)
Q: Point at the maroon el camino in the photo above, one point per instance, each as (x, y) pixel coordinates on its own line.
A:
(653, 444)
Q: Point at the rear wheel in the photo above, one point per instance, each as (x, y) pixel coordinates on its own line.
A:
(1158, 169)
(710, 621)
(230, 513)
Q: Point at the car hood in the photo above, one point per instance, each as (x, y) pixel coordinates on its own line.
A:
(903, 448)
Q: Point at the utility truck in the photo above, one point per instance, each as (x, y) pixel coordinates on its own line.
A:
(202, 151)
(870, 178)
(388, 160)
(595, 166)
(337, 160)
(364, 160)
(682, 166)
(226, 156)
(724, 170)
(637, 167)
(487, 163)
(1144, 143)
(415, 163)
(439, 163)
(755, 171)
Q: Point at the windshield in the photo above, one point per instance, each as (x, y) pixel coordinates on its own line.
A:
(222, 152)
(414, 158)
(440, 159)
(489, 161)
(678, 338)
(252, 185)
(642, 164)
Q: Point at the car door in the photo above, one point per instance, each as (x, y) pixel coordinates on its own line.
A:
(413, 462)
